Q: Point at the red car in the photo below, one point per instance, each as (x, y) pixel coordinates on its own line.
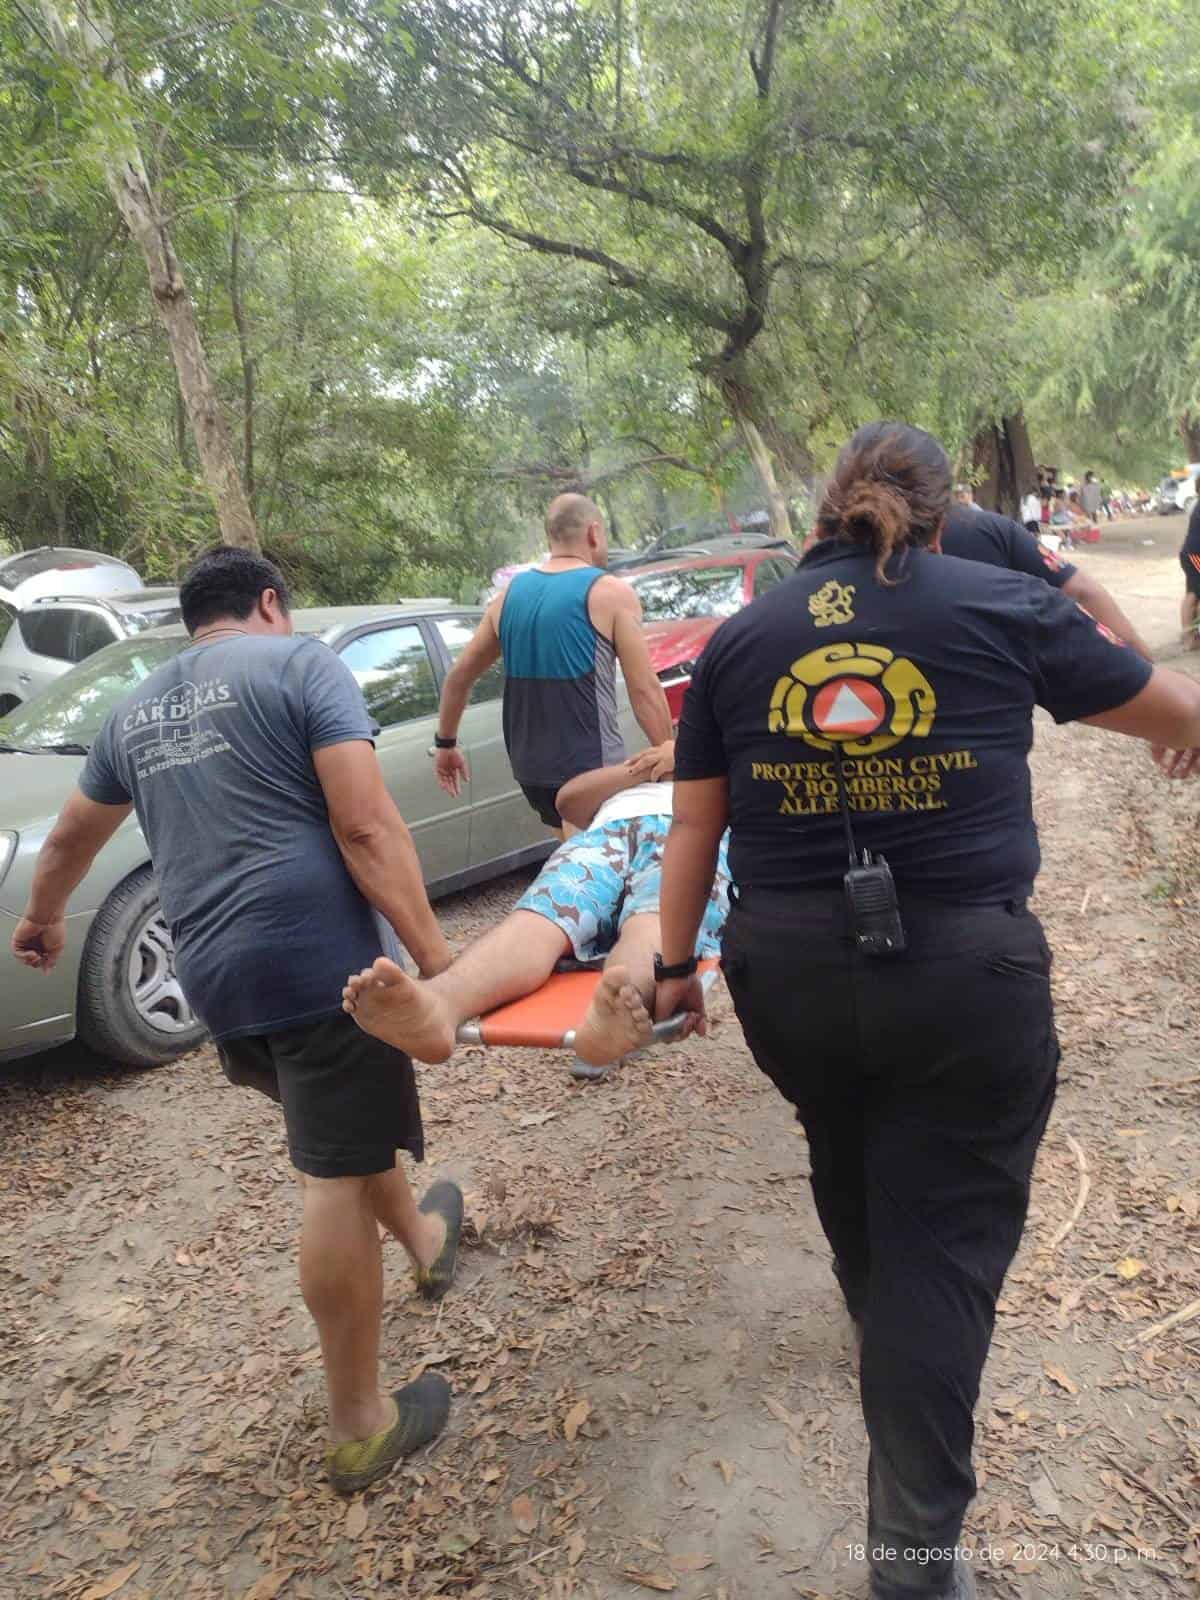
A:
(687, 597)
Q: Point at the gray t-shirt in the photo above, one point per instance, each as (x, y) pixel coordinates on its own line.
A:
(215, 751)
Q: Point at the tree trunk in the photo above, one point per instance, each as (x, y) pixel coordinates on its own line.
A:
(1004, 466)
(1189, 432)
(130, 188)
(247, 359)
(777, 511)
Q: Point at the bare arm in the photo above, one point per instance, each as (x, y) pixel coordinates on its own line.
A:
(83, 828)
(646, 694)
(579, 799)
(378, 849)
(689, 867)
(1097, 602)
(483, 651)
(690, 862)
(1165, 712)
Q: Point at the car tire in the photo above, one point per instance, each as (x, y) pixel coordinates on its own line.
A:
(131, 1008)
(8, 702)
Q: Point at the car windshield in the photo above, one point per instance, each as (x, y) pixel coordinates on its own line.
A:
(691, 592)
(72, 710)
(138, 619)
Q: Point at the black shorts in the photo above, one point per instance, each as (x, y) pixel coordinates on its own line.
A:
(349, 1100)
(1191, 570)
(541, 797)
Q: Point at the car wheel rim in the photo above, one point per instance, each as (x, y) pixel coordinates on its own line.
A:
(157, 997)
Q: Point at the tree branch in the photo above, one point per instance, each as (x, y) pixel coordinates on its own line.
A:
(619, 273)
(547, 472)
(763, 65)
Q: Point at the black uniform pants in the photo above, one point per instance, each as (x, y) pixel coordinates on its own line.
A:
(924, 1082)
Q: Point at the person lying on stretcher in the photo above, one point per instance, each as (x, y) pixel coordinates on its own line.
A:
(596, 897)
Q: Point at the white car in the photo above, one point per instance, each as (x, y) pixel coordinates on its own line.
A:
(1179, 494)
(57, 569)
(42, 640)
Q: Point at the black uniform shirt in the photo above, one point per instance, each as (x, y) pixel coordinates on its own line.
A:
(1189, 555)
(929, 688)
(975, 535)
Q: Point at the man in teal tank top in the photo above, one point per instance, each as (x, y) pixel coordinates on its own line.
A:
(561, 628)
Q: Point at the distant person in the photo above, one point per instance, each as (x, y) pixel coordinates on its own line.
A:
(249, 760)
(1106, 501)
(1062, 518)
(561, 628)
(964, 495)
(1031, 511)
(1090, 496)
(1189, 560)
(998, 541)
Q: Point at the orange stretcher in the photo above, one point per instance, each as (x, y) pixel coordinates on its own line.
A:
(547, 1018)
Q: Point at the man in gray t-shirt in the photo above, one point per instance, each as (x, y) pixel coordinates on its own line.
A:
(249, 760)
(215, 749)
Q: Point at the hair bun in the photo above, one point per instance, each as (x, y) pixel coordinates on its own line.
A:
(877, 514)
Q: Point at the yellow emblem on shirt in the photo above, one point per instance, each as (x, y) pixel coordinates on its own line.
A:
(861, 697)
(832, 603)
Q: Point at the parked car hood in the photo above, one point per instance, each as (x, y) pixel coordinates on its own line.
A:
(34, 788)
(672, 642)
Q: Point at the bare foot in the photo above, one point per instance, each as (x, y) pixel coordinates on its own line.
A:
(616, 1023)
(385, 1001)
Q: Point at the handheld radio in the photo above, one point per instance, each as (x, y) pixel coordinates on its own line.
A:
(872, 908)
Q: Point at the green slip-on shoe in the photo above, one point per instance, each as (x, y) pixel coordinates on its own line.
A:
(421, 1412)
(443, 1199)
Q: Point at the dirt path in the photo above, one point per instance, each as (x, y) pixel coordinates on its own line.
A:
(654, 1385)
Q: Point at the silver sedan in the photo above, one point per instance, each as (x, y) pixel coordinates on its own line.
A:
(116, 986)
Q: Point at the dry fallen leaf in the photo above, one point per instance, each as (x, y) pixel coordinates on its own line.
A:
(726, 1468)
(269, 1585)
(782, 1414)
(688, 1563)
(662, 1581)
(355, 1523)
(576, 1545)
(1130, 1267)
(107, 1586)
(1061, 1378)
(524, 1513)
(62, 1476)
(1044, 1496)
(575, 1419)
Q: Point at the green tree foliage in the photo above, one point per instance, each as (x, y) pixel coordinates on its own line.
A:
(1116, 376)
(798, 168)
(449, 257)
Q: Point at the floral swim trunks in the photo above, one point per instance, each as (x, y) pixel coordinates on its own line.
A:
(598, 879)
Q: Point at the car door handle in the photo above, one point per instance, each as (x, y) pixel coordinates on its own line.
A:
(23, 677)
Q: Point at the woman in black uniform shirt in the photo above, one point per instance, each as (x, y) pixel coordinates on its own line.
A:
(1189, 560)
(924, 1078)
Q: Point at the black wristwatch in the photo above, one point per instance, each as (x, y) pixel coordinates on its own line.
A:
(681, 969)
(440, 742)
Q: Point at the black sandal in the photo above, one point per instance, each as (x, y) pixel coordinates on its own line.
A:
(442, 1199)
(421, 1412)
